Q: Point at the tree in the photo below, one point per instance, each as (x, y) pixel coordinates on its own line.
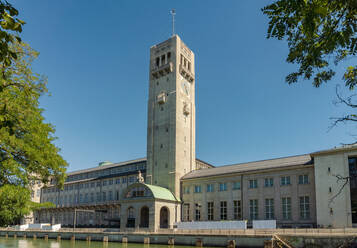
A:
(321, 34)
(318, 32)
(15, 202)
(9, 32)
(27, 152)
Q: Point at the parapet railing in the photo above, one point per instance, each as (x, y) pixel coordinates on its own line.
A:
(224, 232)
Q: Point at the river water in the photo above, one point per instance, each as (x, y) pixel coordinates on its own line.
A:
(41, 243)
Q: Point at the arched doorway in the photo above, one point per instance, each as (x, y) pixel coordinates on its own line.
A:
(164, 217)
(131, 217)
(144, 217)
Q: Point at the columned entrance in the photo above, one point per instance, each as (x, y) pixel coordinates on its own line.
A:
(144, 217)
(164, 217)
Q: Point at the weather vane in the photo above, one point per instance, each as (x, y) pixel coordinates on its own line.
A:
(173, 13)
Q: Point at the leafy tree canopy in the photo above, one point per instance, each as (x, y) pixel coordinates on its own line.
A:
(27, 151)
(320, 34)
(9, 32)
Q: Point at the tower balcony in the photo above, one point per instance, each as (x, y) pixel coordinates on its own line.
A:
(159, 71)
(186, 74)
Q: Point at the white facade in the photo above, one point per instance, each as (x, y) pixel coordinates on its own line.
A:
(333, 201)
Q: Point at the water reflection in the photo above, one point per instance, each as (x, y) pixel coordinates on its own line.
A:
(51, 243)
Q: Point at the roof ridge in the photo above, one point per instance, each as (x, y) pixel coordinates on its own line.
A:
(263, 160)
(108, 165)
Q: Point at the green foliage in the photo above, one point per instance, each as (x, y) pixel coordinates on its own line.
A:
(27, 152)
(10, 27)
(15, 202)
(319, 33)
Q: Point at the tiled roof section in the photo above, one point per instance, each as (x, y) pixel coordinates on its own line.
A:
(106, 166)
(251, 166)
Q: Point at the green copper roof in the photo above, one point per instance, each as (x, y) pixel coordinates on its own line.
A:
(161, 193)
(105, 163)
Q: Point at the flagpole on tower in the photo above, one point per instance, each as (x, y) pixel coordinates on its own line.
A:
(173, 13)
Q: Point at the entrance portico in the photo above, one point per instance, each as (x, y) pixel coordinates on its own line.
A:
(148, 207)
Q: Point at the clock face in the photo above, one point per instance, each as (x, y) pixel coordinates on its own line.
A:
(185, 87)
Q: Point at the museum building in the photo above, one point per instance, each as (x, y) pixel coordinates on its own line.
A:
(171, 185)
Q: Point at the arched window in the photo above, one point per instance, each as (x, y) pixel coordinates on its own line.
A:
(139, 191)
(164, 217)
(144, 217)
(131, 217)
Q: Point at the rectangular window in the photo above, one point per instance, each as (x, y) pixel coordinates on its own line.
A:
(98, 196)
(253, 184)
(303, 179)
(268, 182)
(210, 187)
(110, 195)
(285, 180)
(223, 210)
(286, 205)
(269, 209)
(117, 195)
(124, 180)
(168, 55)
(186, 190)
(80, 198)
(163, 59)
(104, 196)
(98, 184)
(210, 210)
(236, 185)
(92, 197)
(86, 197)
(111, 182)
(223, 187)
(253, 209)
(92, 185)
(304, 207)
(198, 212)
(186, 212)
(157, 61)
(131, 179)
(197, 188)
(237, 210)
(104, 183)
(117, 181)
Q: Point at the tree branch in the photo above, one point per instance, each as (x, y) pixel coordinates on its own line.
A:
(339, 178)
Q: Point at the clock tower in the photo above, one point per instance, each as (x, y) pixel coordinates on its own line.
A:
(171, 114)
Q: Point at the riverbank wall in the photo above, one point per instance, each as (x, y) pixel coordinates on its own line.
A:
(325, 238)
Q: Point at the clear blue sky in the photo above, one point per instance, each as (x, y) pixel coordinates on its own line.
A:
(96, 56)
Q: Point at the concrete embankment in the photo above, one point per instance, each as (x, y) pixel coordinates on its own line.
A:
(221, 238)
